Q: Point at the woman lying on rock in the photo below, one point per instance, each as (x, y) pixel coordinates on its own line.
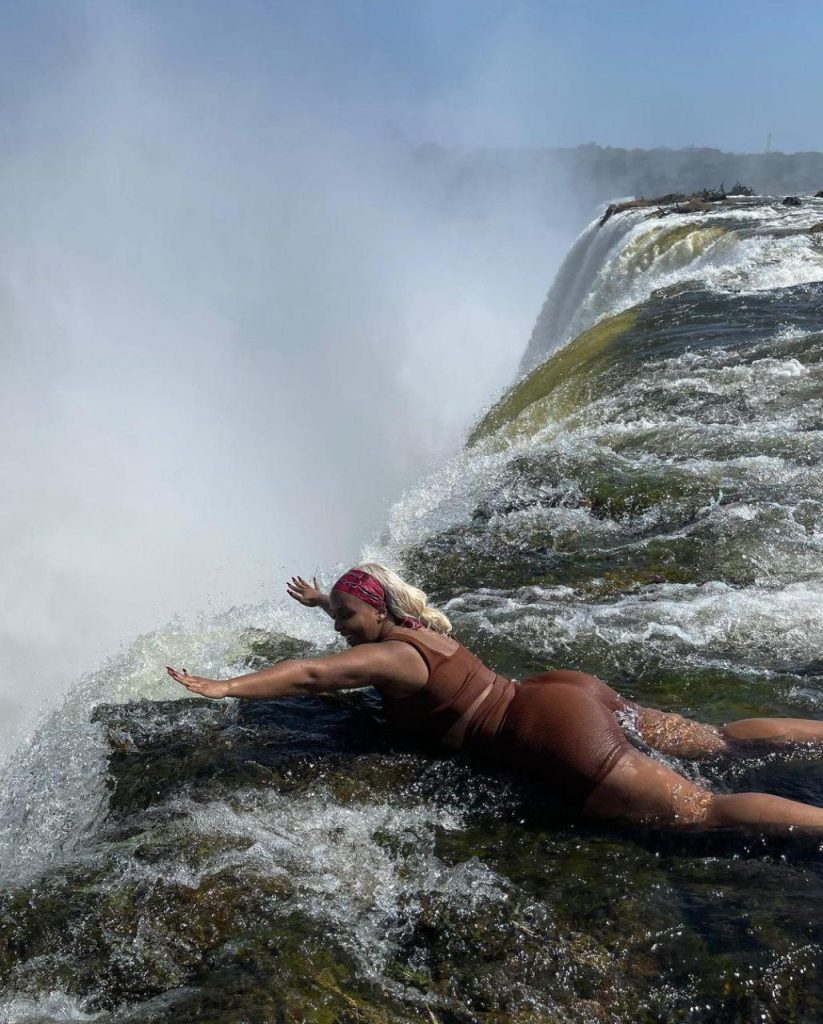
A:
(560, 728)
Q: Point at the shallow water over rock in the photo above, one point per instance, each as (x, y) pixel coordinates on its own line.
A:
(646, 505)
(299, 862)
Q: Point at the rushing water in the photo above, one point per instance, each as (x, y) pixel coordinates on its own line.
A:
(646, 503)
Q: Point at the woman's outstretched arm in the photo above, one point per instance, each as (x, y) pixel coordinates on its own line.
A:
(308, 594)
(394, 666)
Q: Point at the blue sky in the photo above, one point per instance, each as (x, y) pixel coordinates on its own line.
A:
(468, 71)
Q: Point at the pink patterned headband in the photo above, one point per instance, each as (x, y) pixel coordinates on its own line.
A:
(368, 588)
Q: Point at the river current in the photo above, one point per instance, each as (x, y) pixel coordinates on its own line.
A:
(644, 503)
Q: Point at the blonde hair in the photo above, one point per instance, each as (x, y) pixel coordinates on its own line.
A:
(404, 599)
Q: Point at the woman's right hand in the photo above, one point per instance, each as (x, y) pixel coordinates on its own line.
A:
(216, 689)
(308, 594)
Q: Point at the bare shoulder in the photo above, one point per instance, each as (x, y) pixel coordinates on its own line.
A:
(403, 669)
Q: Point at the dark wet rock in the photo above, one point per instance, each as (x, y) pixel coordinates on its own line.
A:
(690, 206)
(264, 647)
(678, 202)
(634, 204)
(218, 946)
(527, 539)
(792, 201)
(171, 922)
(166, 749)
(816, 229)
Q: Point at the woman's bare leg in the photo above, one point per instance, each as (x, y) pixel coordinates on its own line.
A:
(683, 737)
(764, 812)
(774, 730)
(678, 736)
(643, 791)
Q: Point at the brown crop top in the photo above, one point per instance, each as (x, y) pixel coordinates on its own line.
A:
(462, 702)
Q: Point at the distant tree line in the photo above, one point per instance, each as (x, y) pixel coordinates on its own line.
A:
(567, 185)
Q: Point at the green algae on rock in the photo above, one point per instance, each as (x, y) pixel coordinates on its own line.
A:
(561, 377)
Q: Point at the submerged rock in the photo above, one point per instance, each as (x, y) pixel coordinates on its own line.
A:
(296, 862)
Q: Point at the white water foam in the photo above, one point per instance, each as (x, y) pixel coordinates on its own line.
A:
(54, 792)
(51, 1006)
(712, 624)
(595, 247)
(737, 249)
(361, 870)
(443, 499)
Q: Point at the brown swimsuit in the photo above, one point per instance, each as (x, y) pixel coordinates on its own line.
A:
(558, 728)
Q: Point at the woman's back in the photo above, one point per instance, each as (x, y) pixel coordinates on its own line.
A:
(462, 700)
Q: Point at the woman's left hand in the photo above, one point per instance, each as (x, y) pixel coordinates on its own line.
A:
(214, 688)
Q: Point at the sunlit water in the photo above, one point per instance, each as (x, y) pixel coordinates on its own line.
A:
(654, 514)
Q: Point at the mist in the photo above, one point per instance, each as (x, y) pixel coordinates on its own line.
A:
(234, 326)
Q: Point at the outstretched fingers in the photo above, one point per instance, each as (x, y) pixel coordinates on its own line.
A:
(302, 591)
(183, 677)
(214, 688)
